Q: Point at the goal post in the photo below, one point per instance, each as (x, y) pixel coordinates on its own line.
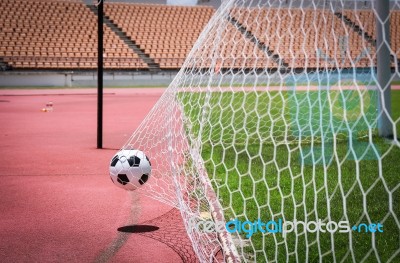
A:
(270, 140)
(383, 65)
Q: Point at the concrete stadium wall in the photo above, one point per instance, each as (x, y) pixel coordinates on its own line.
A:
(350, 4)
(83, 79)
(213, 3)
(163, 79)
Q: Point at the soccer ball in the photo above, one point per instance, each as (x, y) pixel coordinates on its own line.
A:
(130, 169)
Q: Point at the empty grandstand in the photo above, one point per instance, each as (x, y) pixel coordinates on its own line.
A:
(61, 35)
(165, 33)
(58, 35)
(363, 22)
(309, 49)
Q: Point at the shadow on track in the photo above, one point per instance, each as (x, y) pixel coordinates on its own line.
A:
(138, 228)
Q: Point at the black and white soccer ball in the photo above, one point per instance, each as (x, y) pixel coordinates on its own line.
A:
(130, 169)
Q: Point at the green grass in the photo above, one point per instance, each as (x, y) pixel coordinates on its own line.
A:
(260, 169)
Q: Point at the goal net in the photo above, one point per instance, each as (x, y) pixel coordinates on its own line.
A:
(274, 126)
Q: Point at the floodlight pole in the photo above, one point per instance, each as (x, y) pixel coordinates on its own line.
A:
(385, 126)
(100, 6)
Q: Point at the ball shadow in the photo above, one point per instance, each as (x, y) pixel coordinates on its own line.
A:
(138, 228)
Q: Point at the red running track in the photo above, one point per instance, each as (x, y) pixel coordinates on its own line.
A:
(57, 202)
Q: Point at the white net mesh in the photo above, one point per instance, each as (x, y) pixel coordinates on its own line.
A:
(276, 115)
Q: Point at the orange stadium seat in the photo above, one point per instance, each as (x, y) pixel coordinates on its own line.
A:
(34, 29)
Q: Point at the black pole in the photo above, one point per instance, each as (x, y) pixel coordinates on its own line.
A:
(100, 75)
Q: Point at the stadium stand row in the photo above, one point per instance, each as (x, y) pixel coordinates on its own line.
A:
(365, 21)
(165, 33)
(243, 54)
(59, 34)
(309, 48)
